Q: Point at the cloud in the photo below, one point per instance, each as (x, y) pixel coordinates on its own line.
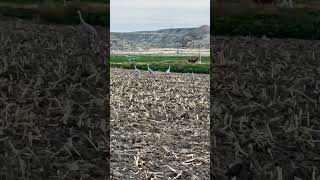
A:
(136, 15)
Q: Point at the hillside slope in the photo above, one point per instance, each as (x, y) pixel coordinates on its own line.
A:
(165, 38)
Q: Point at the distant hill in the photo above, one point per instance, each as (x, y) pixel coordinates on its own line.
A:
(165, 38)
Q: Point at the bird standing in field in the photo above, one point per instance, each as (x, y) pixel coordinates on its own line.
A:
(168, 70)
(85, 27)
(136, 69)
(150, 70)
(286, 3)
(92, 39)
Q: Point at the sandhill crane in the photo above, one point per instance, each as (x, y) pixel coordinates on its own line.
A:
(89, 31)
(168, 70)
(135, 68)
(150, 70)
(290, 3)
(287, 3)
(85, 27)
(92, 35)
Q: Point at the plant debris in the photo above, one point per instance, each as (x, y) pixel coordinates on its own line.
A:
(265, 108)
(159, 125)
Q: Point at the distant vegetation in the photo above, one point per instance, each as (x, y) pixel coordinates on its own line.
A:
(233, 19)
(161, 63)
(56, 12)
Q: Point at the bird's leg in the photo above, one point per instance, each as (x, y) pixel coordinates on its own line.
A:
(96, 51)
(93, 44)
(89, 42)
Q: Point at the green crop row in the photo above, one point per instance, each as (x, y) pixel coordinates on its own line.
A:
(162, 63)
(186, 68)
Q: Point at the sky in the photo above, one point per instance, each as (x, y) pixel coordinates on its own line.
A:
(148, 15)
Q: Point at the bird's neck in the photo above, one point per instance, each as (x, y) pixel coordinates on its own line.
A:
(81, 19)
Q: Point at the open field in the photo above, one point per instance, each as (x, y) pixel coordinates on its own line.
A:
(159, 125)
(162, 63)
(265, 96)
(51, 85)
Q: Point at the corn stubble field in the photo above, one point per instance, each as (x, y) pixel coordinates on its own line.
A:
(265, 108)
(52, 99)
(159, 125)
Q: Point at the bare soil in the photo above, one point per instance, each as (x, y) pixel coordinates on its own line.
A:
(265, 115)
(159, 125)
(53, 122)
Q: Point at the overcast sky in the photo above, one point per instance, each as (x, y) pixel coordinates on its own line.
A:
(141, 15)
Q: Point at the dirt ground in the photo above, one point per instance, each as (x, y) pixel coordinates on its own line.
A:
(159, 125)
(265, 121)
(53, 121)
